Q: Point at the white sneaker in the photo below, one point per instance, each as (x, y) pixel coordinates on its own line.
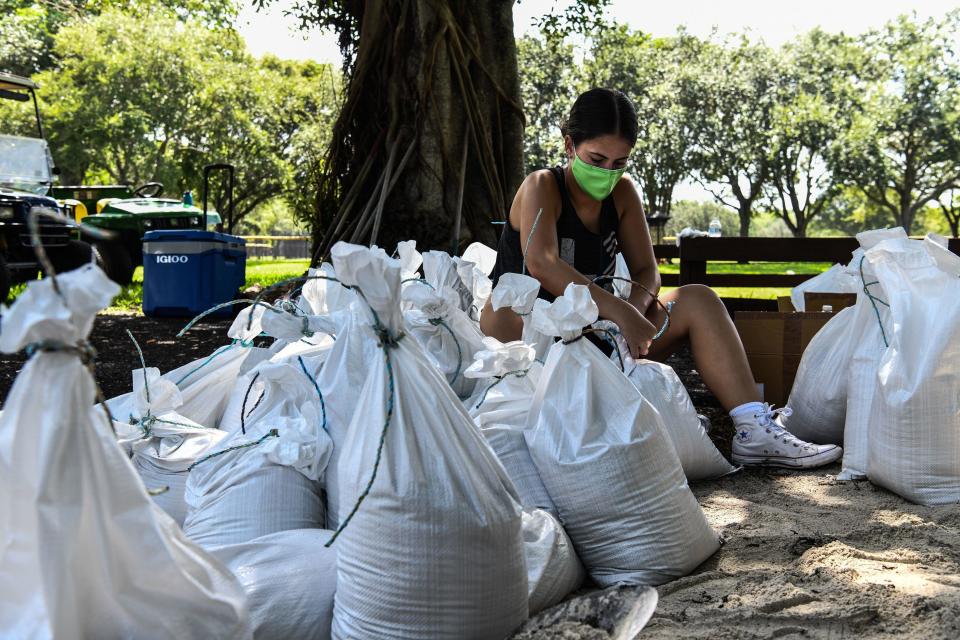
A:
(760, 440)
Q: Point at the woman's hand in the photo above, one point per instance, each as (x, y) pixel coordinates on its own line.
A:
(636, 330)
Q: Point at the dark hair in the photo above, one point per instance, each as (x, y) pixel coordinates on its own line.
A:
(600, 112)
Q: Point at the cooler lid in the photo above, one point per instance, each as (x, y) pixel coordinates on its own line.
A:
(192, 235)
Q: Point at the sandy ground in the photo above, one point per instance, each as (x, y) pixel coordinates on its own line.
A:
(807, 556)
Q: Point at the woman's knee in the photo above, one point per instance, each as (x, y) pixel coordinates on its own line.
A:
(503, 324)
(698, 291)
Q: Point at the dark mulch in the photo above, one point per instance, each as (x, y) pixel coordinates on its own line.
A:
(116, 357)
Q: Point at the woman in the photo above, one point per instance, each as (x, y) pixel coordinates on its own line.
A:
(580, 215)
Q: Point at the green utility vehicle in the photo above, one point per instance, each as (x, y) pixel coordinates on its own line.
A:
(130, 217)
(26, 175)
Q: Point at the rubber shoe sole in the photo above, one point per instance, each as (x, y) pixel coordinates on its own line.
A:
(789, 462)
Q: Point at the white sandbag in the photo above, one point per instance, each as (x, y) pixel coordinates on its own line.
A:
(481, 255)
(313, 349)
(836, 279)
(435, 550)
(410, 262)
(499, 407)
(519, 292)
(205, 383)
(818, 399)
(477, 283)
(168, 443)
(606, 460)
(621, 272)
(323, 294)
(866, 350)
(268, 479)
(341, 381)
(290, 579)
(440, 271)
(914, 444)
(662, 387)
(446, 334)
(553, 568)
(86, 553)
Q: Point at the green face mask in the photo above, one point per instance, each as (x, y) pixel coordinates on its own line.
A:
(596, 182)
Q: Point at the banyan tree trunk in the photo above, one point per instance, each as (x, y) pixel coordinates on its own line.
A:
(428, 144)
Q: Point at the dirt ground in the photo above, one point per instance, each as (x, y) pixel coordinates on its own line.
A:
(117, 356)
(804, 556)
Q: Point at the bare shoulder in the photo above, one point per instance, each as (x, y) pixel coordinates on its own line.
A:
(538, 190)
(540, 184)
(626, 195)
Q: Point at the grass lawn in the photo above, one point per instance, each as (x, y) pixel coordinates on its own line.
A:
(762, 293)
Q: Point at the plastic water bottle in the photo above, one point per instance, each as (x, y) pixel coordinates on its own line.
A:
(714, 230)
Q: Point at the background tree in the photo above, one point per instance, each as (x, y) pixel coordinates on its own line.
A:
(655, 74)
(251, 115)
(133, 101)
(903, 151)
(733, 106)
(817, 95)
(548, 86)
(949, 205)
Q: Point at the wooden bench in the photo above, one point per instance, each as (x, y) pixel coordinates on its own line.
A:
(696, 253)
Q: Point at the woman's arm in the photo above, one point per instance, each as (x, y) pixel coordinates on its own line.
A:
(538, 192)
(635, 244)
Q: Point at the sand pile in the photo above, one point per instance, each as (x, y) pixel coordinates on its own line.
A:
(806, 556)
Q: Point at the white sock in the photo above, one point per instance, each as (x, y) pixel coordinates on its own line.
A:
(747, 409)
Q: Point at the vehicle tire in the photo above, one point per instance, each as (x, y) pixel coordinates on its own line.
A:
(4, 279)
(114, 259)
(72, 256)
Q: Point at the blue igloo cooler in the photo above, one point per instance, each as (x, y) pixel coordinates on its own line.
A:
(187, 272)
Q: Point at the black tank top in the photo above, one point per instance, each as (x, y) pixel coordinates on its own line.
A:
(589, 253)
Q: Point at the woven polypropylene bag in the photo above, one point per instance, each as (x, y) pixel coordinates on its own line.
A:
(238, 493)
(448, 336)
(836, 279)
(85, 552)
(499, 407)
(818, 399)
(553, 568)
(164, 443)
(662, 387)
(290, 579)
(869, 323)
(606, 460)
(914, 445)
(435, 549)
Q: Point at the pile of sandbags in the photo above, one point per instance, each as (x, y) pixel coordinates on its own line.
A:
(340, 475)
(883, 377)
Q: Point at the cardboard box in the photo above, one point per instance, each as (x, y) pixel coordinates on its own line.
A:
(785, 304)
(814, 301)
(774, 343)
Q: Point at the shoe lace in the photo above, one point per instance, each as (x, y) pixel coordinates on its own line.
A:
(768, 419)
